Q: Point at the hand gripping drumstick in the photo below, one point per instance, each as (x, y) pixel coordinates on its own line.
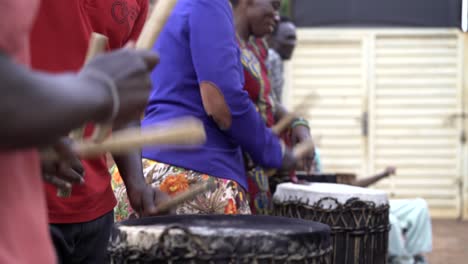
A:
(186, 196)
(184, 131)
(301, 149)
(148, 37)
(299, 152)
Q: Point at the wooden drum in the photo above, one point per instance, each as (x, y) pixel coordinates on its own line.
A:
(220, 239)
(358, 217)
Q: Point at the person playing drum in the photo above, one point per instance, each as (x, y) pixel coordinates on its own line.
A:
(256, 19)
(202, 76)
(36, 110)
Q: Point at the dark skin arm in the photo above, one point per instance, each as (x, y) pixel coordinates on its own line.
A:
(366, 182)
(299, 134)
(52, 94)
(142, 197)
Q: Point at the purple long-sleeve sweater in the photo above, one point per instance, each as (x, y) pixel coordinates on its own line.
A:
(198, 45)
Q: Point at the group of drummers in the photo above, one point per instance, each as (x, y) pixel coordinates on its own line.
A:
(219, 61)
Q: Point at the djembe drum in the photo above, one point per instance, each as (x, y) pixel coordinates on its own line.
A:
(358, 217)
(220, 239)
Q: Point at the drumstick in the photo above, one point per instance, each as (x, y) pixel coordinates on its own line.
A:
(186, 196)
(186, 131)
(97, 45)
(148, 37)
(299, 152)
(155, 24)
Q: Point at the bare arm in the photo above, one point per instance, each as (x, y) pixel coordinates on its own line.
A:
(130, 166)
(37, 108)
(366, 182)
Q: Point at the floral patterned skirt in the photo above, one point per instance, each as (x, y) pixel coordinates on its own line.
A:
(228, 198)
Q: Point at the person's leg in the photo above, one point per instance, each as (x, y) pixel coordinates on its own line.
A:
(91, 246)
(415, 216)
(63, 237)
(396, 243)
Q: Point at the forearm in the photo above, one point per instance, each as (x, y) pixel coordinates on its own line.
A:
(251, 133)
(130, 166)
(37, 108)
(366, 182)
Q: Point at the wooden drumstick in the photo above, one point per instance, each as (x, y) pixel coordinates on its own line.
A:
(97, 45)
(186, 196)
(155, 23)
(299, 152)
(187, 131)
(148, 37)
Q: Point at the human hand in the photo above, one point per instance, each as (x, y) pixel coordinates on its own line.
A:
(124, 76)
(390, 170)
(144, 200)
(66, 170)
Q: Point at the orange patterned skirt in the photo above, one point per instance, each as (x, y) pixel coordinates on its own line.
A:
(228, 198)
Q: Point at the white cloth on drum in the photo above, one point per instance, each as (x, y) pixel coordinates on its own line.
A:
(411, 229)
(312, 192)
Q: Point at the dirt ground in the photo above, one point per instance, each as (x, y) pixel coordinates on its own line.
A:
(450, 242)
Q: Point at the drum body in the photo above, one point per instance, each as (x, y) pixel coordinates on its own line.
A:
(358, 217)
(220, 239)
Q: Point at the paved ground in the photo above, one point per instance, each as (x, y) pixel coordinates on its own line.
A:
(450, 242)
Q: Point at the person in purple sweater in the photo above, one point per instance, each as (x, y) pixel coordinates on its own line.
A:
(200, 74)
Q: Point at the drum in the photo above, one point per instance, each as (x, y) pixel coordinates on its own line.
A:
(220, 239)
(358, 217)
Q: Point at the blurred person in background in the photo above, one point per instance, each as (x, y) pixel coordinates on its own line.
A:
(282, 44)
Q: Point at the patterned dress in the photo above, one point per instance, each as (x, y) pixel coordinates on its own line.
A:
(254, 54)
(228, 198)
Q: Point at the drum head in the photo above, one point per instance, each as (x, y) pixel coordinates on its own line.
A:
(218, 237)
(311, 193)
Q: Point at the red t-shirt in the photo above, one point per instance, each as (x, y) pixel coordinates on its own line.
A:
(24, 232)
(60, 39)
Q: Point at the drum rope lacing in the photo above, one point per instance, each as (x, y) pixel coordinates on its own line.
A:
(366, 216)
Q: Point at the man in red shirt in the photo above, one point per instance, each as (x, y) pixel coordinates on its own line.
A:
(81, 224)
(36, 109)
